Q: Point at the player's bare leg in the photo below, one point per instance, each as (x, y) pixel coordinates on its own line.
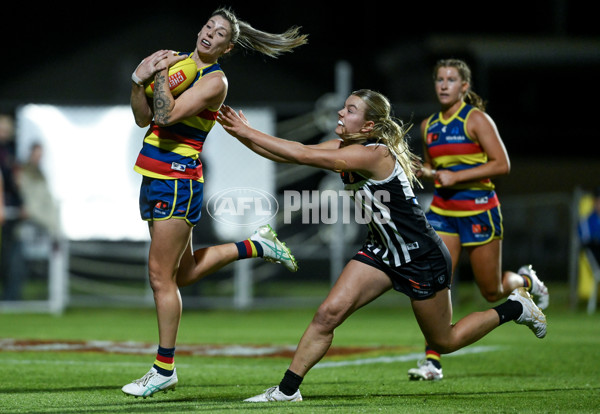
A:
(358, 285)
(169, 239)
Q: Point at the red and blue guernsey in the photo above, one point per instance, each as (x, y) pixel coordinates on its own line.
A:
(450, 148)
(173, 151)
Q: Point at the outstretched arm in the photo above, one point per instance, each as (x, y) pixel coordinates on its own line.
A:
(236, 125)
(328, 155)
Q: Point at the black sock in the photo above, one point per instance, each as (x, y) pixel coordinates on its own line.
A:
(290, 383)
(509, 311)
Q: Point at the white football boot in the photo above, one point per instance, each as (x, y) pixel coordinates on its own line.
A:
(150, 383)
(273, 394)
(425, 371)
(531, 316)
(538, 290)
(274, 250)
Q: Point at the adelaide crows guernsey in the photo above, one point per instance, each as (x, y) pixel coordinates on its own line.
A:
(450, 148)
(174, 151)
(398, 229)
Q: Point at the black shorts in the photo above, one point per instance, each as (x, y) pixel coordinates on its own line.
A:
(418, 279)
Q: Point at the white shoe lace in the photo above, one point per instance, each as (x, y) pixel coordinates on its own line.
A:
(274, 250)
(269, 393)
(144, 380)
(532, 316)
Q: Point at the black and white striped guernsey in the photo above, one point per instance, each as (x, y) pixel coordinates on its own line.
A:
(398, 229)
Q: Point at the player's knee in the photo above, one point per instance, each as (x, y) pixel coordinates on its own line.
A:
(156, 284)
(441, 345)
(186, 278)
(158, 280)
(327, 317)
(492, 295)
(445, 343)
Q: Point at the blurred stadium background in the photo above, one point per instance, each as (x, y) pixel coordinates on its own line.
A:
(68, 71)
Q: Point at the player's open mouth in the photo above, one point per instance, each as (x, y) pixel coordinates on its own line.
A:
(340, 122)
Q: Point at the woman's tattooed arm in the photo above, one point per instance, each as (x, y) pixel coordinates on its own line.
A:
(163, 102)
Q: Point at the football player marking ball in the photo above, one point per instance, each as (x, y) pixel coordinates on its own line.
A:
(181, 75)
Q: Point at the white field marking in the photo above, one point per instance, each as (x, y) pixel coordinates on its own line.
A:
(402, 358)
(204, 350)
(332, 364)
(59, 362)
(140, 348)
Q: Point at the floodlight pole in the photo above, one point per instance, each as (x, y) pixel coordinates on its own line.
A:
(343, 87)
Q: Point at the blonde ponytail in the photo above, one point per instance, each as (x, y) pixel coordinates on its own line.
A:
(270, 44)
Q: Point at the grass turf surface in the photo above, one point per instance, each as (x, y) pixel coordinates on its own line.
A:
(516, 372)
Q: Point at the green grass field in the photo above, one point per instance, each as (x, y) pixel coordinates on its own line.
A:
(508, 371)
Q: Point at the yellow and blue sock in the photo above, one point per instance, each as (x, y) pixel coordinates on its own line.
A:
(433, 356)
(526, 282)
(248, 249)
(165, 361)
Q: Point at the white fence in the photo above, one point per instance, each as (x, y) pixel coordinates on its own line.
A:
(539, 229)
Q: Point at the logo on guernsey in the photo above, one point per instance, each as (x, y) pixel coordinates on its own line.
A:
(412, 246)
(178, 167)
(455, 135)
(432, 137)
(481, 200)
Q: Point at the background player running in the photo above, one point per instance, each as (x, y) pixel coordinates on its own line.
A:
(463, 150)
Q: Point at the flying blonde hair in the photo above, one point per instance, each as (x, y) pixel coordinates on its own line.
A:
(270, 44)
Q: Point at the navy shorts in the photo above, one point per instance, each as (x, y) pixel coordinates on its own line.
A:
(419, 279)
(164, 199)
(474, 230)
